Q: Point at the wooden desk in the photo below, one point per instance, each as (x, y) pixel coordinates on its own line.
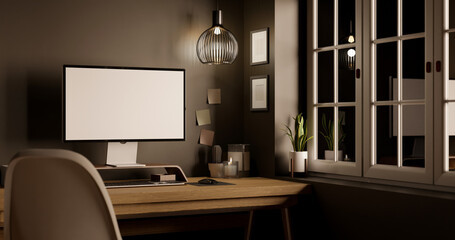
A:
(140, 209)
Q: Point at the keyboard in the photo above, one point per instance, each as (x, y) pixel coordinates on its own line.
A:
(141, 183)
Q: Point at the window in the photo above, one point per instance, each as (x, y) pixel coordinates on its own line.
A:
(335, 110)
(445, 84)
(394, 120)
(399, 90)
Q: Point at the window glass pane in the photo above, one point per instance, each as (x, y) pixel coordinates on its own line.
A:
(325, 131)
(413, 135)
(414, 58)
(450, 127)
(413, 69)
(413, 16)
(325, 23)
(346, 75)
(346, 21)
(451, 82)
(386, 14)
(451, 14)
(451, 153)
(325, 77)
(347, 133)
(386, 135)
(386, 72)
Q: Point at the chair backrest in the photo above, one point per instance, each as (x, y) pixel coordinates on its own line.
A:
(56, 194)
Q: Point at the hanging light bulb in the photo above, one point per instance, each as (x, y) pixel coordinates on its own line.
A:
(217, 31)
(350, 59)
(217, 45)
(351, 37)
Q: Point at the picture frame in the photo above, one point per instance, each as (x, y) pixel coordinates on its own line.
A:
(259, 46)
(259, 93)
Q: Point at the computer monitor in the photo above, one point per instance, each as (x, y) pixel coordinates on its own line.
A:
(123, 105)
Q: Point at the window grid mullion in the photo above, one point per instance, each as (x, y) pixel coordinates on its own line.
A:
(335, 86)
(374, 86)
(445, 76)
(396, 38)
(400, 85)
(446, 15)
(373, 23)
(372, 90)
(403, 102)
(400, 106)
(315, 73)
(335, 23)
(331, 48)
(400, 18)
(335, 107)
(340, 104)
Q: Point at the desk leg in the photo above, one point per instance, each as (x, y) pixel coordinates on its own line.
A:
(248, 228)
(286, 223)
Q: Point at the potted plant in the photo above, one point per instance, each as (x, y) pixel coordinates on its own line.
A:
(299, 138)
(329, 136)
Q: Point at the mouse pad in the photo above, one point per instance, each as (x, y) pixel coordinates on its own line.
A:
(204, 185)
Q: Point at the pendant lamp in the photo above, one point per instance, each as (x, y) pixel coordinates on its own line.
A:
(217, 45)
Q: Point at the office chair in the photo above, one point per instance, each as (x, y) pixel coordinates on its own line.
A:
(53, 194)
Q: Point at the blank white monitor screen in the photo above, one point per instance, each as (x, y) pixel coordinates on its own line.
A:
(123, 104)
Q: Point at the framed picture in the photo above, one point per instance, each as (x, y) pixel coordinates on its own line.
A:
(258, 95)
(259, 47)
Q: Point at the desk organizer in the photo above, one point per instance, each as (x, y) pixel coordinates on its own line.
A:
(144, 172)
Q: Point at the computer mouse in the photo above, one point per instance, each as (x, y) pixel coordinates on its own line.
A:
(207, 181)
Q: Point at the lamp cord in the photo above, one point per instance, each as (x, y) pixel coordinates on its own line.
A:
(217, 7)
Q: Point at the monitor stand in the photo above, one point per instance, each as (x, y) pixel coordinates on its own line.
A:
(122, 154)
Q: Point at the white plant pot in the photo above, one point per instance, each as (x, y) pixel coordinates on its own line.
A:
(328, 155)
(300, 161)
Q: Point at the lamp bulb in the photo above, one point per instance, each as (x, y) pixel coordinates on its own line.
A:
(217, 31)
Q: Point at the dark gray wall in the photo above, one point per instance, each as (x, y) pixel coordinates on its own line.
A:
(259, 126)
(38, 37)
(286, 86)
(264, 130)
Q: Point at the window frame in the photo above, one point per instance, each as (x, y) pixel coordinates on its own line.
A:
(364, 165)
(441, 30)
(392, 172)
(336, 166)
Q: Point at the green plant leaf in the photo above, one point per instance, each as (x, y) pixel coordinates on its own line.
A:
(329, 134)
(299, 137)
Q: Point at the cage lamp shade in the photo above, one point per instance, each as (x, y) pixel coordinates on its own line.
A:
(217, 45)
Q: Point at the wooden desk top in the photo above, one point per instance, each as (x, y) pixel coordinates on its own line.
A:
(246, 194)
(244, 187)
